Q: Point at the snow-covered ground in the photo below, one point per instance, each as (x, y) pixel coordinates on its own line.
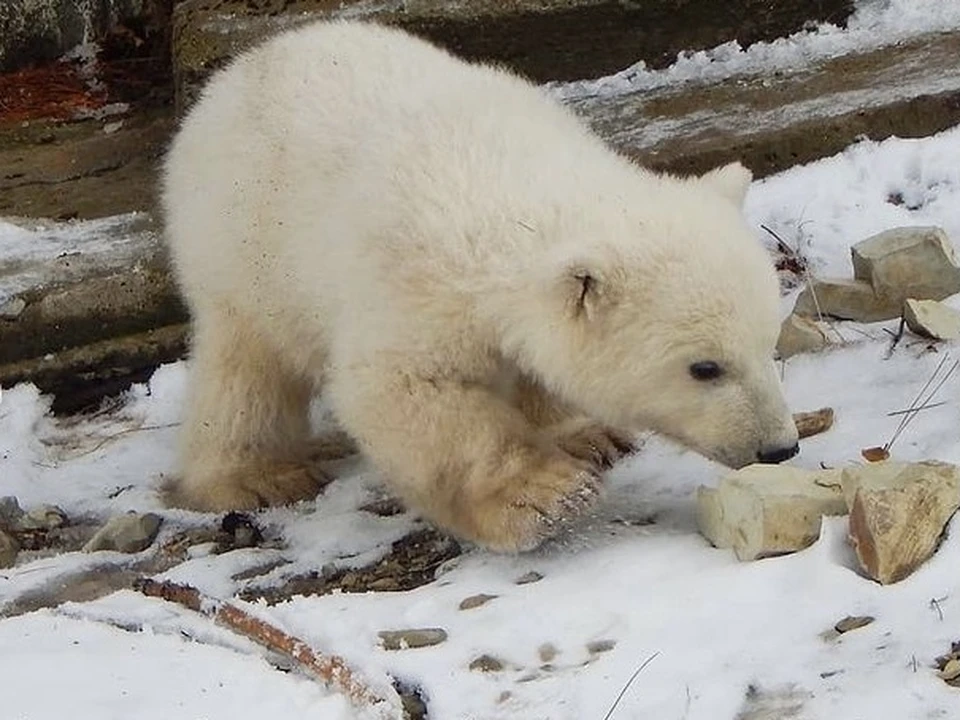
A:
(873, 24)
(724, 637)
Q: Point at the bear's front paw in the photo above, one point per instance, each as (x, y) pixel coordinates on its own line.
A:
(598, 444)
(538, 504)
(246, 487)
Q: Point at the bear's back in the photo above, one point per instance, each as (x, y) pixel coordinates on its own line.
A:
(350, 135)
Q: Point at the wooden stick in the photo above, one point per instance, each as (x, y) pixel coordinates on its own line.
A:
(331, 670)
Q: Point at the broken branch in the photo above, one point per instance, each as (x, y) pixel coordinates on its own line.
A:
(331, 670)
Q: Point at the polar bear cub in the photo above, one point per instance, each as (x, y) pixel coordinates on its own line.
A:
(491, 300)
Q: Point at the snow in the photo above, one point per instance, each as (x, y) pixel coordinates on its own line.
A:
(721, 637)
(104, 672)
(873, 24)
(712, 628)
(37, 252)
(822, 208)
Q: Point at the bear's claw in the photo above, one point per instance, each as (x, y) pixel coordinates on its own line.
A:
(547, 502)
(600, 445)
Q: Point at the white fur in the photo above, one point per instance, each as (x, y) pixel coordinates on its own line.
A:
(352, 209)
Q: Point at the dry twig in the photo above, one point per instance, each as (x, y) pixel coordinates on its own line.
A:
(920, 402)
(331, 670)
(629, 683)
(113, 436)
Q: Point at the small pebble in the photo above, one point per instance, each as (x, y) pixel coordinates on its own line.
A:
(201, 550)
(951, 671)
(547, 652)
(852, 623)
(384, 584)
(130, 533)
(475, 601)
(44, 517)
(486, 663)
(411, 638)
(600, 646)
(8, 550)
(530, 577)
(70, 538)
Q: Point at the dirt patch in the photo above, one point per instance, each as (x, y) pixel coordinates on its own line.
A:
(411, 563)
(80, 134)
(83, 168)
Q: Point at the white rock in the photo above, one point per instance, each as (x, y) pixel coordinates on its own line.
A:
(766, 510)
(908, 262)
(411, 638)
(128, 533)
(932, 319)
(42, 517)
(800, 335)
(845, 300)
(898, 512)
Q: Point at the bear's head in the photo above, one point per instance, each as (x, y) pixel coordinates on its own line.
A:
(666, 319)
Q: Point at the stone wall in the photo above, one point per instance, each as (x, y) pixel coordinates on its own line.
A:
(36, 31)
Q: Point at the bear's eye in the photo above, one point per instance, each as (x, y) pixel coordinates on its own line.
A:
(706, 370)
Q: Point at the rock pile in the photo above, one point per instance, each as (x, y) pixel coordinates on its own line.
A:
(46, 528)
(897, 511)
(902, 272)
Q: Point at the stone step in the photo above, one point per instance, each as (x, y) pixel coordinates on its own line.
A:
(81, 304)
(86, 169)
(544, 39)
(69, 285)
(79, 378)
(774, 121)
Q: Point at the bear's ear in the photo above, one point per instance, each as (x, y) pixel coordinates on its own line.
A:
(731, 181)
(584, 291)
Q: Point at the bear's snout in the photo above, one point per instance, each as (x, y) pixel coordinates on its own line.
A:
(773, 456)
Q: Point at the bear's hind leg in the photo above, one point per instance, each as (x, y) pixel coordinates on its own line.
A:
(245, 431)
(465, 458)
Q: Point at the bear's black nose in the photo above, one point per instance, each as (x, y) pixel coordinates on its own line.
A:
(777, 455)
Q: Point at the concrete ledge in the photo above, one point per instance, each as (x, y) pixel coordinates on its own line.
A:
(64, 170)
(544, 39)
(80, 377)
(79, 285)
(774, 122)
(87, 308)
